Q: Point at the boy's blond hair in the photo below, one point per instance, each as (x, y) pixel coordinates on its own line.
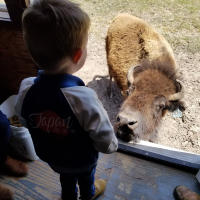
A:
(54, 29)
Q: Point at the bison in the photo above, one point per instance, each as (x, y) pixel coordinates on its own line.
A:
(142, 63)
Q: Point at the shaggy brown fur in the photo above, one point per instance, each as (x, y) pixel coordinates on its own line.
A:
(129, 41)
(153, 80)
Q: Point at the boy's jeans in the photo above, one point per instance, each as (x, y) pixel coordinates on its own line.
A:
(85, 181)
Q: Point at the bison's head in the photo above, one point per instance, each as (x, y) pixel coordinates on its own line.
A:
(141, 112)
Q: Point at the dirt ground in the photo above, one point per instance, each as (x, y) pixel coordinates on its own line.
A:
(178, 21)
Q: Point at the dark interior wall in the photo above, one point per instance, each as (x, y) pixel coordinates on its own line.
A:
(15, 61)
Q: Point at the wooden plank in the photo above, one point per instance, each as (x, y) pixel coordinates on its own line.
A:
(162, 153)
(16, 62)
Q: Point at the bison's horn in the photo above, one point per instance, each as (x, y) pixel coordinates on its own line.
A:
(130, 78)
(180, 94)
(130, 75)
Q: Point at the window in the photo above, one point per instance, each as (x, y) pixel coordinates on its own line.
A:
(2, 5)
(3, 11)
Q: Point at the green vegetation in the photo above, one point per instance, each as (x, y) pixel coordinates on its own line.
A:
(177, 20)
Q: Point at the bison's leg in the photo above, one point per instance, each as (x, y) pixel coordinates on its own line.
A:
(110, 92)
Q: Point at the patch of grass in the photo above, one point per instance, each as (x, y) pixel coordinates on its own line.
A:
(177, 20)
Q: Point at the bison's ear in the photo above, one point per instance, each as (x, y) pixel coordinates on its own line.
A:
(159, 104)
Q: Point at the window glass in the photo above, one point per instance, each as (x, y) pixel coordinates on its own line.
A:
(2, 5)
(3, 11)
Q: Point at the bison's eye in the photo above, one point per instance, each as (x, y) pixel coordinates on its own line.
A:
(132, 123)
(118, 119)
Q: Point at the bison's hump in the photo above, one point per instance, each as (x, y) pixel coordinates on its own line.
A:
(129, 41)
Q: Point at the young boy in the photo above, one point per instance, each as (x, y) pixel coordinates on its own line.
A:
(68, 123)
(8, 164)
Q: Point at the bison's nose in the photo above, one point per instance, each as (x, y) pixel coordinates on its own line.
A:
(125, 121)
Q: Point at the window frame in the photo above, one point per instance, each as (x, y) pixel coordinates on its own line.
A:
(152, 151)
(163, 154)
(4, 16)
(12, 11)
(3, 6)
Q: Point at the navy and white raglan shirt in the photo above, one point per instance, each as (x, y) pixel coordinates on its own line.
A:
(66, 120)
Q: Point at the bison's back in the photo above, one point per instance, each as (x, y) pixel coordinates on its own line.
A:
(131, 40)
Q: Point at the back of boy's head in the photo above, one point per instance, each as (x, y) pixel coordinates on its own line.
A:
(53, 30)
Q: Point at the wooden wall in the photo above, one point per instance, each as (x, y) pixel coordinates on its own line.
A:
(15, 61)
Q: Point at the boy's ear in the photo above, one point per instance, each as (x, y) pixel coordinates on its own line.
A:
(77, 55)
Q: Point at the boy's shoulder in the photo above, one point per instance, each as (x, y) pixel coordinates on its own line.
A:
(80, 95)
(77, 94)
(26, 83)
(80, 91)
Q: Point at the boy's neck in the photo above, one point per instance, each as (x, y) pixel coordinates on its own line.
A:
(66, 66)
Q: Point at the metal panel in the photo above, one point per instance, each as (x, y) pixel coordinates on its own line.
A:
(162, 153)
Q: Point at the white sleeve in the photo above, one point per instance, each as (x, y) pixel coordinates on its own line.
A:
(24, 87)
(92, 117)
